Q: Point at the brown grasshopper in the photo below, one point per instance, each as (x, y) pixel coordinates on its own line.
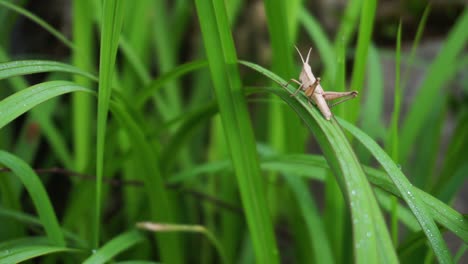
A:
(314, 91)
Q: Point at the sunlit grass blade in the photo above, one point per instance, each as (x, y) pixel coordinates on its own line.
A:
(412, 198)
(115, 246)
(367, 220)
(20, 102)
(110, 32)
(222, 60)
(19, 250)
(441, 70)
(38, 194)
(16, 68)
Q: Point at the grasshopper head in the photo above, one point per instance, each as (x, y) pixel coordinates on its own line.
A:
(306, 75)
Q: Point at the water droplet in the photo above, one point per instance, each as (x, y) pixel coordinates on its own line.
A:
(399, 166)
(369, 234)
(353, 192)
(94, 251)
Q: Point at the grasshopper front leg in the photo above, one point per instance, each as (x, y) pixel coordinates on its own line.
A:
(296, 81)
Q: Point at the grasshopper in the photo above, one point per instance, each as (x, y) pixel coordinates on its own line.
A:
(314, 91)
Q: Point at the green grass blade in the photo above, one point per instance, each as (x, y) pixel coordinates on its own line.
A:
(314, 225)
(34, 221)
(412, 198)
(23, 249)
(456, 152)
(159, 82)
(360, 58)
(335, 215)
(392, 140)
(166, 55)
(161, 207)
(440, 71)
(38, 194)
(38, 21)
(461, 251)
(309, 167)
(115, 246)
(348, 23)
(222, 60)
(452, 186)
(110, 33)
(368, 223)
(322, 43)
(417, 39)
(83, 38)
(181, 18)
(137, 262)
(136, 45)
(20, 102)
(158, 227)
(374, 97)
(316, 167)
(137, 64)
(285, 132)
(41, 115)
(281, 41)
(16, 68)
(404, 214)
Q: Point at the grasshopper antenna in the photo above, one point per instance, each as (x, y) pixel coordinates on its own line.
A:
(308, 54)
(302, 58)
